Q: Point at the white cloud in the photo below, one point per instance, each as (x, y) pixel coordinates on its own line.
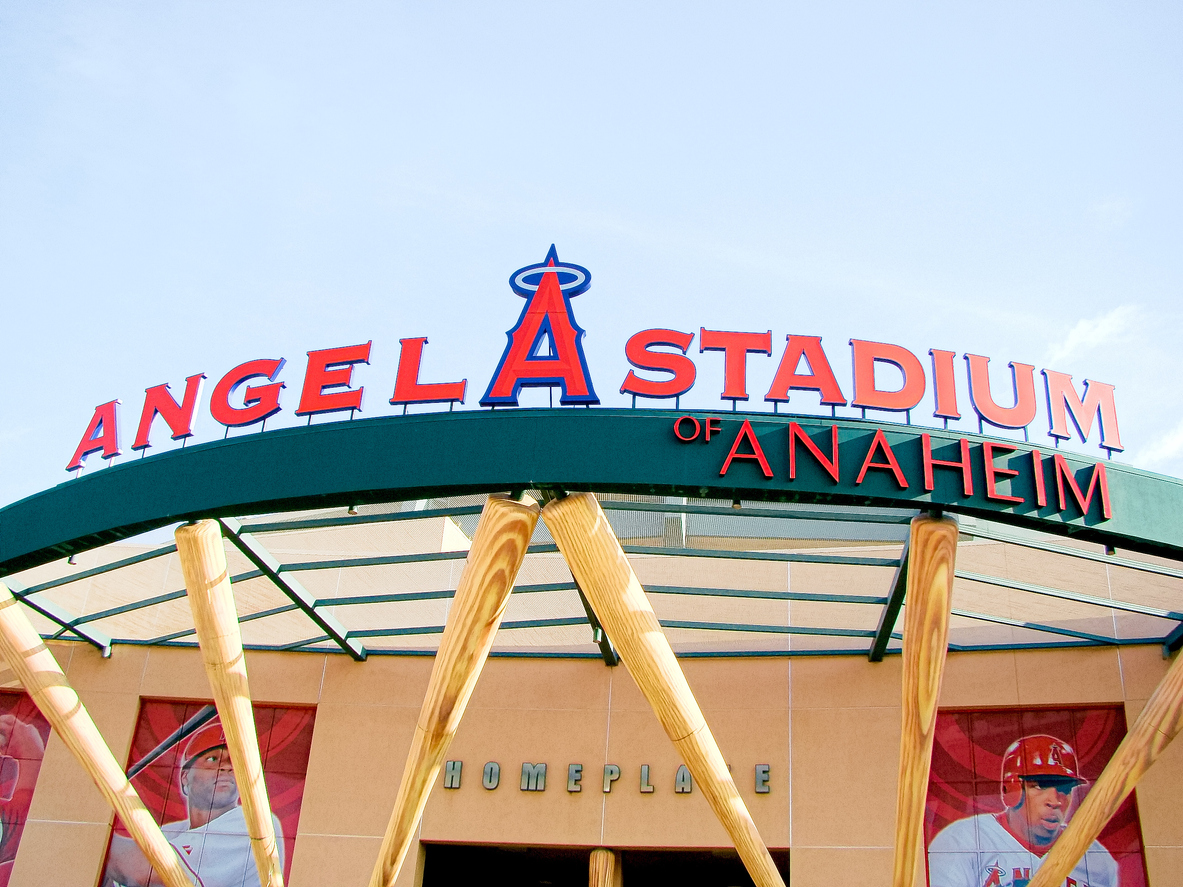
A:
(1092, 332)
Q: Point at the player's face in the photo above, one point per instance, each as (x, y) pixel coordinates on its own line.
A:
(209, 781)
(1045, 808)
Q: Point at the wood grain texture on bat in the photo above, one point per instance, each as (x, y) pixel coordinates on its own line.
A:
(490, 570)
(928, 600)
(33, 664)
(1153, 730)
(599, 565)
(215, 617)
(602, 868)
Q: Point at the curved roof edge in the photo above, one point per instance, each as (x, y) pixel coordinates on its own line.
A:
(601, 450)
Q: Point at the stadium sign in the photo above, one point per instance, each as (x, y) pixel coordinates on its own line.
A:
(545, 350)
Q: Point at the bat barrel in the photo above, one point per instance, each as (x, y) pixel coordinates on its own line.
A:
(599, 565)
(203, 562)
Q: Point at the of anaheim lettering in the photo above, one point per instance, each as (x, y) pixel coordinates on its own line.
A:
(545, 350)
(1029, 471)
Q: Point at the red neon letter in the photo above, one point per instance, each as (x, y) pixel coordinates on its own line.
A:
(101, 434)
(681, 368)
(408, 388)
(259, 401)
(967, 477)
(993, 471)
(944, 384)
(866, 395)
(830, 465)
(820, 377)
(177, 416)
(1098, 400)
(1083, 500)
(879, 442)
(1040, 487)
(332, 368)
(735, 348)
(547, 320)
(712, 423)
(757, 454)
(1022, 382)
(678, 426)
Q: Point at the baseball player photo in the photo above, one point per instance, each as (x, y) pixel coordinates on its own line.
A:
(1004, 785)
(181, 768)
(23, 733)
(1040, 787)
(213, 842)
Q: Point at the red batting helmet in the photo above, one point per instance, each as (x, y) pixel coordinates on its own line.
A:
(1037, 756)
(205, 739)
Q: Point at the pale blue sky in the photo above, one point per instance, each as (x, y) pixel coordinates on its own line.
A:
(185, 187)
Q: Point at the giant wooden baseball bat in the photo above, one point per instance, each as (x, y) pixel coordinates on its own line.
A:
(601, 868)
(498, 548)
(928, 600)
(599, 565)
(34, 665)
(1159, 723)
(203, 562)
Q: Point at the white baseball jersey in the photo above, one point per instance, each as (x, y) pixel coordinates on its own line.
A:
(978, 852)
(218, 853)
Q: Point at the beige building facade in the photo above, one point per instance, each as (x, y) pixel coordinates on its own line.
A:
(827, 728)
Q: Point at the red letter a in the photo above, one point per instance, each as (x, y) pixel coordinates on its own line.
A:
(545, 347)
(757, 454)
(101, 434)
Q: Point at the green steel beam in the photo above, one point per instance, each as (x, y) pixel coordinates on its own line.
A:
(441, 594)
(756, 594)
(599, 636)
(755, 628)
(891, 609)
(748, 511)
(153, 601)
(59, 616)
(409, 630)
(390, 560)
(1074, 596)
(258, 555)
(786, 557)
(105, 568)
(1172, 641)
(350, 520)
(1107, 559)
(1099, 639)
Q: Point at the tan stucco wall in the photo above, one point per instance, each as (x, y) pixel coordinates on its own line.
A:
(833, 723)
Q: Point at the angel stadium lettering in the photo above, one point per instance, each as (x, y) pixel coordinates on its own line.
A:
(544, 349)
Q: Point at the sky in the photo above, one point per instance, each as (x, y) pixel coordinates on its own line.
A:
(184, 187)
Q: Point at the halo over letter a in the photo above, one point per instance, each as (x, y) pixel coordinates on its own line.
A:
(546, 345)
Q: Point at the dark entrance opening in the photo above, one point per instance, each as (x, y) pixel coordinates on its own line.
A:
(453, 865)
(692, 868)
(462, 865)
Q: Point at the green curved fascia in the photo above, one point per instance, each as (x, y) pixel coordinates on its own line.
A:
(602, 450)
